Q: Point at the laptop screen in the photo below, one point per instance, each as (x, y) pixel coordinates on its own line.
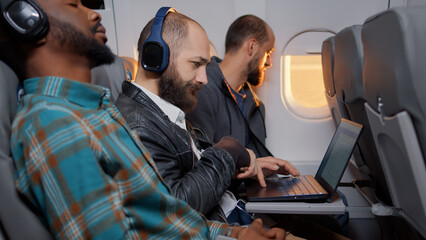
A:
(337, 155)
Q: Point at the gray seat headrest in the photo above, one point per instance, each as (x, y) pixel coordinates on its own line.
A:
(395, 69)
(8, 105)
(348, 63)
(394, 66)
(16, 218)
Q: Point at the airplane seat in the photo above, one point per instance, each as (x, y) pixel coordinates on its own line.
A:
(394, 85)
(337, 109)
(349, 60)
(112, 75)
(16, 219)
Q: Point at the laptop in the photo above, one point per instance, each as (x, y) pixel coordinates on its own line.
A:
(307, 188)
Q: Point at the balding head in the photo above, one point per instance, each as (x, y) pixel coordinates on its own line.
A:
(189, 54)
(174, 32)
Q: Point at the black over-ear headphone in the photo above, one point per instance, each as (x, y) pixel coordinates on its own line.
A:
(155, 52)
(26, 18)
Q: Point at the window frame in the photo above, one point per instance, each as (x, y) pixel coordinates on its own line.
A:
(304, 112)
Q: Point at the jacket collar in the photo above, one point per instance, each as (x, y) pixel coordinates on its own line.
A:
(175, 114)
(137, 95)
(217, 77)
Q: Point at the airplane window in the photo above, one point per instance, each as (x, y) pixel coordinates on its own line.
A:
(302, 84)
(305, 77)
(94, 4)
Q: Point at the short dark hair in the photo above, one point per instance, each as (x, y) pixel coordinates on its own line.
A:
(175, 30)
(245, 27)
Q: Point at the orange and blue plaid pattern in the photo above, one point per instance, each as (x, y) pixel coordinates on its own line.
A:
(87, 173)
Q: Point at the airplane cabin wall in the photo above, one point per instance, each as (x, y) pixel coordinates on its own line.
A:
(290, 137)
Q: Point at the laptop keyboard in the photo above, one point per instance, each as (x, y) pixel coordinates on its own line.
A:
(295, 185)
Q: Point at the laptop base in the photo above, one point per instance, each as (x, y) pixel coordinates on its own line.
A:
(274, 192)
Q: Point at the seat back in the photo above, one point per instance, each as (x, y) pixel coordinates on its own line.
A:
(337, 108)
(112, 75)
(349, 60)
(17, 220)
(394, 85)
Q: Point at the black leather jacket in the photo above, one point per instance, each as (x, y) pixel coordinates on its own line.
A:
(200, 183)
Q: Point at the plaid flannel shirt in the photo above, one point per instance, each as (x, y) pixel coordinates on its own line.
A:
(87, 173)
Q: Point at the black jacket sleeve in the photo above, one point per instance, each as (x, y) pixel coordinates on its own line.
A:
(200, 183)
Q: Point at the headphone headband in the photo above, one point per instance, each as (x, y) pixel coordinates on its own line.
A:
(161, 14)
(155, 52)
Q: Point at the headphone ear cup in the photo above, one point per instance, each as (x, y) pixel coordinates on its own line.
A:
(26, 19)
(155, 52)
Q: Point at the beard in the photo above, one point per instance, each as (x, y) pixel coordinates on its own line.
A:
(175, 90)
(72, 38)
(255, 76)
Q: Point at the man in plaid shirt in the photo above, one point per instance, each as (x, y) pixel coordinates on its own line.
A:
(77, 162)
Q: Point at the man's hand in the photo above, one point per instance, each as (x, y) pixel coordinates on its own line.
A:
(252, 171)
(256, 231)
(271, 165)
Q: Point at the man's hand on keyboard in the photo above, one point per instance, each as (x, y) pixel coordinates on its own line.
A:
(271, 165)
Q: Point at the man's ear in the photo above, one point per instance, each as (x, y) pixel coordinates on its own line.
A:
(251, 46)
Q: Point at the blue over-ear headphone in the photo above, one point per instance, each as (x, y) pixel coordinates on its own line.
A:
(155, 52)
(26, 19)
